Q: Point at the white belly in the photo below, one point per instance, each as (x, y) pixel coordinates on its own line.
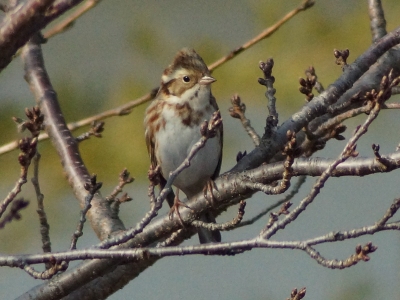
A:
(174, 144)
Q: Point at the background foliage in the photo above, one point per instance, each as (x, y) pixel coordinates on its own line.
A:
(117, 52)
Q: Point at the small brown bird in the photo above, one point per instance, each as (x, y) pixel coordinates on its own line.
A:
(172, 121)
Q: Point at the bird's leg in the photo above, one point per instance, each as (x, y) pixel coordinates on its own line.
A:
(208, 189)
(175, 208)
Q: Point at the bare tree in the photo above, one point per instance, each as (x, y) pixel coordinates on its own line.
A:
(282, 157)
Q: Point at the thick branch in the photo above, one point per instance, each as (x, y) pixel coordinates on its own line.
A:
(320, 104)
(229, 186)
(65, 144)
(25, 20)
(377, 19)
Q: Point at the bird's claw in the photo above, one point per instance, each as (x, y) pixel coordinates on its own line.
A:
(175, 208)
(208, 190)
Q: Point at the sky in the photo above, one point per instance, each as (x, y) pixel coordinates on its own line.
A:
(117, 52)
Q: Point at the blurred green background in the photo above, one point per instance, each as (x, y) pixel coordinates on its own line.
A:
(117, 52)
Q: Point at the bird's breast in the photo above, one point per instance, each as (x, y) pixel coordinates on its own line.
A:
(174, 142)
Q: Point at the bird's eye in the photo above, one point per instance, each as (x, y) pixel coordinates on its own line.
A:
(186, 78)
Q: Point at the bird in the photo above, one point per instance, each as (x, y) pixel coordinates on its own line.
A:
(172, 126)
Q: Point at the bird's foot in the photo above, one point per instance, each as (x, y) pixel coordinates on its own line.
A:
(208, 190)
(175, 208)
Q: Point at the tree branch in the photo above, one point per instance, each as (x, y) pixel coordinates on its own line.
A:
(320, 104)
(100, 213)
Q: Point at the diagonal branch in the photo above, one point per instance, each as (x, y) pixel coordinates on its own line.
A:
(269, 146)
(66, 146)
(306, 4)
(226, 197)
(348, 151)
(67, 23)
(127, 107)
(26, 19)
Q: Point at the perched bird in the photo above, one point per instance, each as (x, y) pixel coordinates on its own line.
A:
(172, 121)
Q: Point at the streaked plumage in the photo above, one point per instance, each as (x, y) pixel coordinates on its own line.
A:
(172, 124)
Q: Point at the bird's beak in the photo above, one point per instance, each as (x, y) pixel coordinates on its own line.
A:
(206, 80)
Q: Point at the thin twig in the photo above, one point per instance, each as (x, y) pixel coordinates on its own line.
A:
(28, 151)
(237, 111)
(332, 96)
(264, 34)
(92, 187)
(301, 180)
(284, 183)
(348, 151)
(127, 108)
(96, 128)
(153, 175)
(360, 255)
(326, 127)
(115, 203)
(212, 248)
(389, 213)
(47, 274)
(51, 267)
(124, 179)
(268, 81)
(224, 226)
(207, 130)
(274, 216)
(117, 111)
(12, 194)
(44, 225)
(68, 22)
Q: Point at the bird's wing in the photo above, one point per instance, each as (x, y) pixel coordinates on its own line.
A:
(221, 140)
